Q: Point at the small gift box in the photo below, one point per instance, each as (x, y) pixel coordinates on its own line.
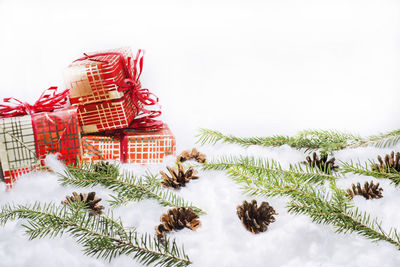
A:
(141, 146)
(95, 78)
(106, 88)
(29, 133)
(109, 115)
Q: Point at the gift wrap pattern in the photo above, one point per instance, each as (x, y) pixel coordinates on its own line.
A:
(89, 79)
(109, 115)
(133, 146)
(93, 89)
(25, 141)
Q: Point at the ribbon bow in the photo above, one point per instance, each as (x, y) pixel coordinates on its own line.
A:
(141, 96)
(48, 101)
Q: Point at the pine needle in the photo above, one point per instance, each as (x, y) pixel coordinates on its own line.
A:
(101, 236)
(127, 186)
(308, 140)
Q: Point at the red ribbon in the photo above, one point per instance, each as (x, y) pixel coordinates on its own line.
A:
(47, 102)
(140, 96)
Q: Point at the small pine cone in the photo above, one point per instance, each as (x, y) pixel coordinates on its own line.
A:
(179, 177)
(194, 154)
(368, 191)
(184, 156)
(177, 219)
(106, 168)
(323, 164)
(91, 201)
(256, 220)
(390, 164)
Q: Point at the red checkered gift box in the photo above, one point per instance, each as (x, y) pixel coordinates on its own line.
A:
(109, 115)
(95, 79)
(101, 147)
(141, 146)
(26, 140)
(107, 89)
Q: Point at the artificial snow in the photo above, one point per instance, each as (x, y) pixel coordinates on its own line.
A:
(292, 240)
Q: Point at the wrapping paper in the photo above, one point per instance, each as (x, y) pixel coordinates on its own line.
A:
(25, 141)
(109, 115)
(88, 79)
(131, 146)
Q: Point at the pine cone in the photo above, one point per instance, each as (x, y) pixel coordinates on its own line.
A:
(256, 220)
(194, 154)
(179, 177)
(323, 164)
(90, 200)
(177, 219)
(391, 164)
(106, 168)
(369, 190)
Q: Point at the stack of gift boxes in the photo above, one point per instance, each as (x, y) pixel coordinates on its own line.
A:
(109, 117)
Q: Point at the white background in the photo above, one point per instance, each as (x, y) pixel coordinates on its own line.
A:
(242, 67)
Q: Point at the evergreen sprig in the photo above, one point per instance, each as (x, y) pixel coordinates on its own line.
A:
(101, 236)
(326, 141)
(325, 207)
(127, 186)
(365, 169)
(260, 167)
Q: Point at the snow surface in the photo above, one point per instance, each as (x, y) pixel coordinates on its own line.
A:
(242, 67)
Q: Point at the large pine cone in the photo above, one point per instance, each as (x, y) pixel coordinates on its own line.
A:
(177, 219)
(325, 165)
(256, 220)
(391, 163)
(194, 154)
(179, 177)
(90, 200)
(368, 191)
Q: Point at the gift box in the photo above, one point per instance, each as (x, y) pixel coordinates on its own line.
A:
(95, 79)
(26, 140)
(141, 146)
(106, 88)
(109, 115)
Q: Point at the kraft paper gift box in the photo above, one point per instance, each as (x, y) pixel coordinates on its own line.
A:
(26, 140)
(142, 146)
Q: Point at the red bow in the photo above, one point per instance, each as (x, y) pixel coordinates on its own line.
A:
(48, 101)
(141, 96)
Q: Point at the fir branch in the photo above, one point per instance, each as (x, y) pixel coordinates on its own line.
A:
(101, 236)
(127, 186)
(382, 140)
(364, 169)
(326, 141)
(260, 167)
(322, 207)
(207, 136)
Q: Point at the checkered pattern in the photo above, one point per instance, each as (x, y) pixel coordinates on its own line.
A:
(110, 115)
(142, 147)
(58, 132)
(146, 147)
(17, 148)
(24, 141)
(86, 78)
(97, 148)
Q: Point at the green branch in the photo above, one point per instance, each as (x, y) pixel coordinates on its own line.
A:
(322, 207)
(259, 167)
(326, 141)
(100, 236)
(364, 169)
(127, 186)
